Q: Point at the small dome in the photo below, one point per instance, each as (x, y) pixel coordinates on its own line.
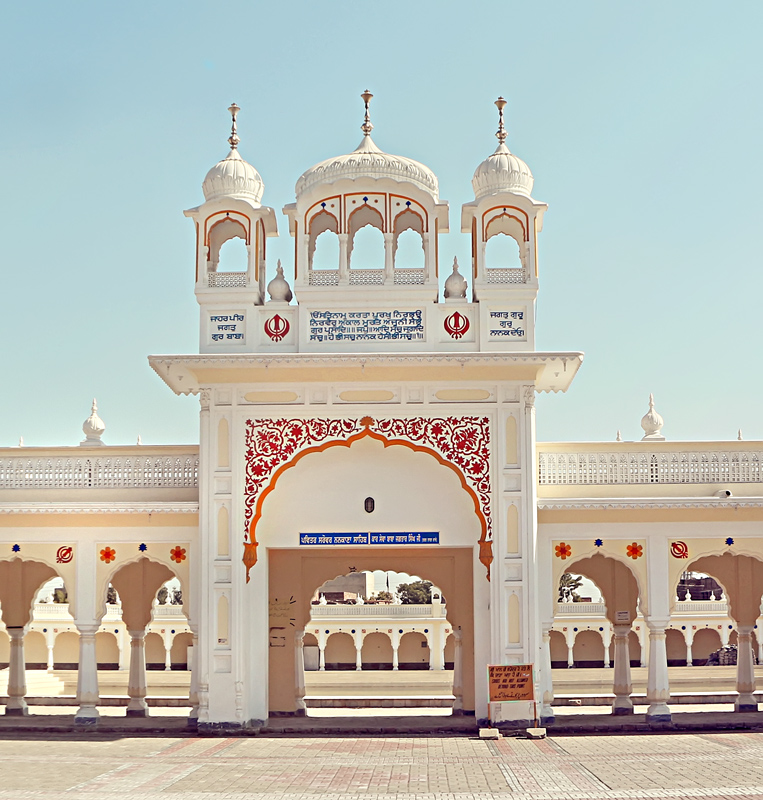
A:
(455, 284)
(502, 172)
(93, 428)
(367, 161)
(233, 177)
(278, 288)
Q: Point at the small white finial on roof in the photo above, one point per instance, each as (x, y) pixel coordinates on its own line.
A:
(140, 441)
(619, 436)
(501, 132)
(739, 435)
(366, 127)
(652, 423)
(279, 289)
(455, 285)
(21, 441)
(93, 428)
(233, 138)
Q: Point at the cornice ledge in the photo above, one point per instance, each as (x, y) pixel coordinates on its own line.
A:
(572, 504)
(99, 508)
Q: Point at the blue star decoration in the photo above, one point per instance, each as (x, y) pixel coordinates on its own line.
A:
(142, 548)
(598, 542)
(729, 541)
(16, 548)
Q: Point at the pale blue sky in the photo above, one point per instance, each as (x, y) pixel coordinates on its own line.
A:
(642, 123)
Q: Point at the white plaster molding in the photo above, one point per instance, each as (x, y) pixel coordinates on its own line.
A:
(585, 503)
(99, 508)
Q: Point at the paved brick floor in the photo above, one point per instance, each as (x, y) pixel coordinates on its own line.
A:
(727, 765)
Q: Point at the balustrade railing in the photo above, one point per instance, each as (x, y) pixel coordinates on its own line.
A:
(366, 277)
(581, 608)
(682, 607)
(226, 280)
(506, 275)
(376, 610)
(323, 277)
(409, 277)
(644, 467)
(100, 472)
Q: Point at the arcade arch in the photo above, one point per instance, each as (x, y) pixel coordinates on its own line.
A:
(332, 484)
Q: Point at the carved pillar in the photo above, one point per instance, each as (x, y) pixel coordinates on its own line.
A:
(51, 659)
(344, 260)
(658, 682)
(321, 654)
(389, 258)
(299, 672)
(745, 670)
(168, 655)
(621, 685)
(689, 655)
(570, 654)
(546, 679)
(358, 638)
(87, 676)
(136, 683)
(193, 689)
(16, 706)
(458, 691)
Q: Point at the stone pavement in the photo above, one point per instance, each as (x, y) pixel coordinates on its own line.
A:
(118, 767)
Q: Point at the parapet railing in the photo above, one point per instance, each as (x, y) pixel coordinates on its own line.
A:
(380, 610)
(151, 470)
(649, 466)
(682, 607)
(226, 280)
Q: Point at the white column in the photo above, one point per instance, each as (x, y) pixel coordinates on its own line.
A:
(321, 653)
(395, 641)
(458, 691)
(429, 251)
(389, 257)
(546, 680)
(87, 676)
(621, 685)
(358, 638)
(344, 261)
(193, 689)
(136, 684)
(168, 655)
(16, 706)
(658, 683)
(689, 657)
(51, 659)
(299, 672)
(760, 651)
(570, 653)
(606, 637)
(745, 670)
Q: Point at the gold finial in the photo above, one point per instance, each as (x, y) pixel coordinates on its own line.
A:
(366, 127)
(233, 138)
(501, 132)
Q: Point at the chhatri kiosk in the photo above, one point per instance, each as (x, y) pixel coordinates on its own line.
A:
(372, 424)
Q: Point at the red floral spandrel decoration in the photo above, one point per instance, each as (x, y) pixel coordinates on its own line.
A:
(177, 554)
(563, 551)
(634, 551)
(462, 441)
(108, 554)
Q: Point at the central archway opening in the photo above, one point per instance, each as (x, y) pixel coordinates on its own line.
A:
(378, 641)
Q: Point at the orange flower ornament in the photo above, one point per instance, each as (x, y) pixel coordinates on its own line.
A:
(108, 554)
(177, 554)
(634, 551)
(563, 551)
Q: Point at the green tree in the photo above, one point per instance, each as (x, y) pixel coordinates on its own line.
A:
(382, 597)
(567, 586)
(418, 593)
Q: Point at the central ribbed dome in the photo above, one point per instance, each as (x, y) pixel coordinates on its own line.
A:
(368, 161)
(233, 177)
(502, 172)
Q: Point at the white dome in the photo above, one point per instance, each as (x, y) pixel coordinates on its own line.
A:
(233, 177)
(367, 161)
(502, 172)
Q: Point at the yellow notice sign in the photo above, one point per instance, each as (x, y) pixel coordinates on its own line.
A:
(507, 682)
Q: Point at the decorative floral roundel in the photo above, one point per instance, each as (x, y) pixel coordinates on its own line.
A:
(563, 550)
(634, 551)
(177, 554)
(108, 554)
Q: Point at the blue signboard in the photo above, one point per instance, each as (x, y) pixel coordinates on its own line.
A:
(322, 539)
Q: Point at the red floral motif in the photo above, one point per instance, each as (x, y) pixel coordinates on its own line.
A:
(563, 550)
(177, 554)
(634, 551)
(108, 554)
(462, 441)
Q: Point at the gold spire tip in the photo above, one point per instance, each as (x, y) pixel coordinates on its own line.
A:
(233, 138)
(501, 132)
(366, 127)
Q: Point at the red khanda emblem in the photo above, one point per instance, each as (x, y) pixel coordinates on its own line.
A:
(456, 325)
(277, 327)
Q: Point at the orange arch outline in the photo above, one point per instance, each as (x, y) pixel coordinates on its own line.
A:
(250, 547)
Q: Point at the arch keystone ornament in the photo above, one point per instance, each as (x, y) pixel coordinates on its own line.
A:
(456, 325)
(277, 327)
(274, 445)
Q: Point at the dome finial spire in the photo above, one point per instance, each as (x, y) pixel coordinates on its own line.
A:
(501, 132)
(366, 127)
(233, 138)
